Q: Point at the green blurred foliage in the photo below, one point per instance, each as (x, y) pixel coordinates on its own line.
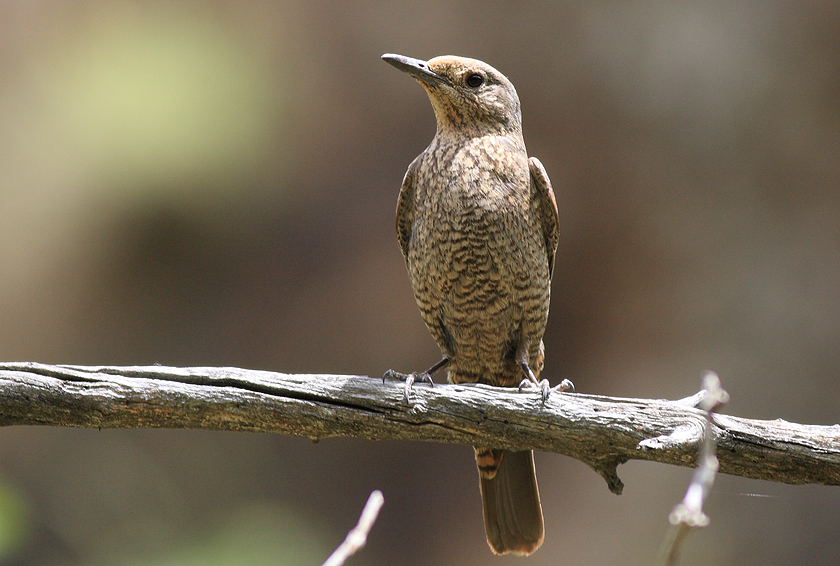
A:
(15, 522)
(252, 536)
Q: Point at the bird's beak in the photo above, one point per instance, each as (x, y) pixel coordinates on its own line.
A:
(414, 67)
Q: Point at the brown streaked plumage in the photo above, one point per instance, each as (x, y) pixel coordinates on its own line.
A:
(477, 224)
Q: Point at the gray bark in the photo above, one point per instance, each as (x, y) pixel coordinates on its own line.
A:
(601, 431)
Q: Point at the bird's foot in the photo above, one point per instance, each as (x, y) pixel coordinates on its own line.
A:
(416, 377)
(545, 388)
(409, 379)
(533, 385)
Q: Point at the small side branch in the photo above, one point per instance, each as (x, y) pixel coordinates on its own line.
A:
(601, 431)
(357, 538)
(688, 515)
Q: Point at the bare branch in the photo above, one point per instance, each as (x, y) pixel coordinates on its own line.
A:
(601, 431)
(357, 537)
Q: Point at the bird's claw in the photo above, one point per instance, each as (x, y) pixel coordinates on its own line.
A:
(545, 388)
(565, 385)
(409, 379)
(542, 385)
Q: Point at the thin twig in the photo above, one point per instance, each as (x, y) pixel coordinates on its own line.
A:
(688, 514)
(357, 537)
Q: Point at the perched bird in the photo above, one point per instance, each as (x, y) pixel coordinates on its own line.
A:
(477, 224)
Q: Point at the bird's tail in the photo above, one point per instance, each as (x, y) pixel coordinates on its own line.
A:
(513, 519)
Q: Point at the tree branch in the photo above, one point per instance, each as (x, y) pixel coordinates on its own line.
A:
(600, 431)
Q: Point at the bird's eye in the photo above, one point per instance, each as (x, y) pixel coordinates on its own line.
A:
(475, 80)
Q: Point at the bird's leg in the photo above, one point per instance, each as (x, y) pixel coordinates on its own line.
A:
(531, 382)
(415, 377)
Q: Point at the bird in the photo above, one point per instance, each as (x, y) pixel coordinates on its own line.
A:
(478, 226)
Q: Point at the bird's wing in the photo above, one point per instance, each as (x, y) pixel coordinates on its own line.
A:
(405, 209)
(543, 201)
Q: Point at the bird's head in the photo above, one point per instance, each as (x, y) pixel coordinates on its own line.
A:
(467, 95)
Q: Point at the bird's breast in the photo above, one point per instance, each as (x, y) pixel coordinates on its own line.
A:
(482, 175)
(474, 230)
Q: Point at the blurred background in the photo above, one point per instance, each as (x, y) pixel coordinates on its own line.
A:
(214, 183)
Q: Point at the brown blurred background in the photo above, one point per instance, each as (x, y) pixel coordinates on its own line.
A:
(213, 183)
